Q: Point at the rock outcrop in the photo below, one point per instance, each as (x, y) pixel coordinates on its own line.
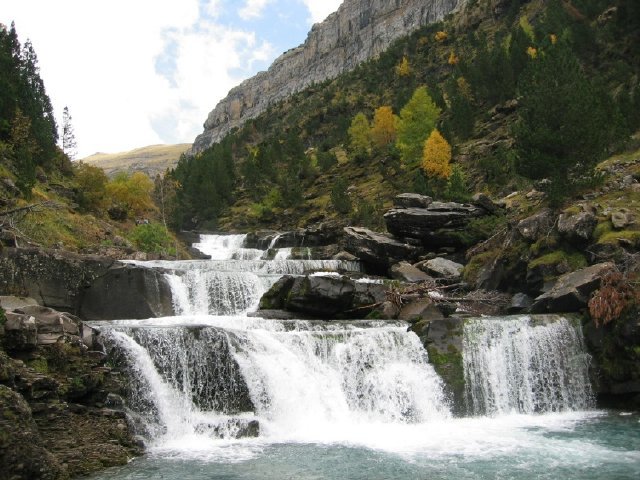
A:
(358, 31)
(378, 251)
(127, 292)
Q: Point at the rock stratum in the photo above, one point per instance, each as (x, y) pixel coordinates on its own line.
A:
(358, 31)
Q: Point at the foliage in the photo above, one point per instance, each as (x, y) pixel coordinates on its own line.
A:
(92, 188)
(563, 122)
(436, 157)
(417, 120)
(360, 136)
(403, 69)
(456, 189)
(152, 238)
(340, 197)
(616, 294)
(383, 128)
(131, 193)
(368, 214)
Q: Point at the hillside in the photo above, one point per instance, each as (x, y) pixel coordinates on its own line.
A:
(152, 160)
(297, 164)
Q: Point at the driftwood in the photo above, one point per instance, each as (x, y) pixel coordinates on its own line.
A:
(8, 219)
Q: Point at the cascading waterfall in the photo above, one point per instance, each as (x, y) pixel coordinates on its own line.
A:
(515, 365)
(213, 374)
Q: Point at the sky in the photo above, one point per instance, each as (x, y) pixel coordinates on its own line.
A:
(143, 72)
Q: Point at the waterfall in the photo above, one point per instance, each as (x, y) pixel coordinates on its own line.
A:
(302, 377)
(519, 365)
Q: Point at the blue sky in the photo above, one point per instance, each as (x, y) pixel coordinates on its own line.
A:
(141, 72)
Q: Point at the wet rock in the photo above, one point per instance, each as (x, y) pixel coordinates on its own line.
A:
(378, 251)
(321, 296)
(20, 332)
(233, 428)
(127, 292)
(405, 272)
(420, 310)
(520, 303)
(571, 292)
(275, 297)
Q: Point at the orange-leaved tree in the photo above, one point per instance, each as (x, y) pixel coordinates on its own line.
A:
(436, 157)
(383, 129)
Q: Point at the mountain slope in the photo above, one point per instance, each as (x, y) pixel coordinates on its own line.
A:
(152, 160)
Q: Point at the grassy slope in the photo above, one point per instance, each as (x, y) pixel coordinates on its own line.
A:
(152, 160)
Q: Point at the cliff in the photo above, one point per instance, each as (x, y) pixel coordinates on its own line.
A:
(358, 31)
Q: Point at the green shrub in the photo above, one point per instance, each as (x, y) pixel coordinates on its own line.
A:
(152, 238)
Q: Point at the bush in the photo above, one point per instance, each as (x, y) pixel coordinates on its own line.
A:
(152, 238)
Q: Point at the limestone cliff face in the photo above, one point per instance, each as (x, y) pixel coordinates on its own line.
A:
(358, 31)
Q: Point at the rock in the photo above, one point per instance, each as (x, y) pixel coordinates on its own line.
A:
(345, 257)
(420, 310)
(442, 268)
(577, 227)
(321, 296)
(537, 225)
(358, 31)
(622, 218)
(412, 200)
(127, 292)
(483, 200)
(405, 272)
(11, 302)
(53, 278)
(365, 295)
(22, 453)
(275, 297)
(377, 250)
(520, 303)
(20, 332)
(572, 291)
(232, 428)
(438, 225)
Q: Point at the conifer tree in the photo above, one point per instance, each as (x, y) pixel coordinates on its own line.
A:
(360, 136)
(417, 120)
(436, 158)
(69, 146)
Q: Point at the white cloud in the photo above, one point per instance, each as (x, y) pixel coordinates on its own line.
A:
(142, 72)
(320, 9)
(252, 8)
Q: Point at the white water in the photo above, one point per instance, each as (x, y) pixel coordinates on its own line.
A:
(363, 384)
(513, 366)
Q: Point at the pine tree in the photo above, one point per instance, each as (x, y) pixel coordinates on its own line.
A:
(417, 120)
(69, 146)
(563, 126)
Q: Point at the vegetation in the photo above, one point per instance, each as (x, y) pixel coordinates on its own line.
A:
(491, 83)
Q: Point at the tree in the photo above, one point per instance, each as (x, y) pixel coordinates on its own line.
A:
(340, 197)
(417, 120)
(69, 146)
(360, 136)
(24, 151)
(383, 129)
(563, 124)
(132, 193)
(436, 158)
(92, 187)
(403, 69)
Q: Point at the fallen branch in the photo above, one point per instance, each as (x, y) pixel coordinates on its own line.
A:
(29, 208)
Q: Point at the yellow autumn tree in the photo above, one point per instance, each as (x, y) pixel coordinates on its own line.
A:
(436, 158)
(383, 129)
(132, 193)
(403, 69)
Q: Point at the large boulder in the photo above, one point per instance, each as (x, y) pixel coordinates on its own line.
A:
(536, 226)
(571, 292)
(405, 272)
(412, 200)
(321, 296)
(438, 225)
(128, 292)
(443, 268)
(53, 278)
(378, 251)
(20, 332)
(577, 227)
